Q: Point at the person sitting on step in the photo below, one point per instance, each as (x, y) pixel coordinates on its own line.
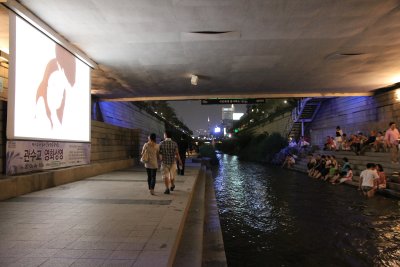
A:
(379, 144)
(355, 144)
(368, 143)
(342, 179)
(345, 143)
(289, 161)
(345, 166)
(382, 177)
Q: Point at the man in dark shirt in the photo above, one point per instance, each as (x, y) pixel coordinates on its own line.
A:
(168, 156)
(182, 147)
(368, 143)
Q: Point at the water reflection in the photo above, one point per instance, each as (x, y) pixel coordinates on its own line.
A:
(276, 217)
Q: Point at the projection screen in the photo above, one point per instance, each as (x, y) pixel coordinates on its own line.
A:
(49, 88)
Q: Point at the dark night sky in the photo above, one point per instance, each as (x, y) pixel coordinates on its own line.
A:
(194, 115)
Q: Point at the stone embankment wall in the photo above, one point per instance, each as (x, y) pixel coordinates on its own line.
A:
(277, 125)
(127, 115)
(354, 114)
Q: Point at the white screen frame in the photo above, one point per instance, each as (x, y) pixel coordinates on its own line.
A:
(12, 112)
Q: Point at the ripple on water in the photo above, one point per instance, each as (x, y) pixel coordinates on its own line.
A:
(283, 218)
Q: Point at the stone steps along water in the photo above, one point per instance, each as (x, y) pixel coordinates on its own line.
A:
(358, 164)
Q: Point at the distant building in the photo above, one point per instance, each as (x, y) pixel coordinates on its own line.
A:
(227, 117)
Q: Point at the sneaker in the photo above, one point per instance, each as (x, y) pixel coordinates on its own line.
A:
(166, 191)
(152, 192)
(172, 187)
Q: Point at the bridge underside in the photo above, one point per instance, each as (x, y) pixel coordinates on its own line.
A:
(144, 50)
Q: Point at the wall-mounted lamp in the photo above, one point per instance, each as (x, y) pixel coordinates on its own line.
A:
(194, 80)
(3, 56)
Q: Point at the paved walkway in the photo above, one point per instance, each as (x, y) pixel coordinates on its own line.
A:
(106, 220)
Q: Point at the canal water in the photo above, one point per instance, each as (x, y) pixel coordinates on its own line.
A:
(275, 217)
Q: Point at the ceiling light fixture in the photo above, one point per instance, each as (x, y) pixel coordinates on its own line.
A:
(194, 80)
(3, 56)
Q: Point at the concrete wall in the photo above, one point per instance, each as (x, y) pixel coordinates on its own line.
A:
(355, 114)
(109, 142)
(277, 125)
(127, 115)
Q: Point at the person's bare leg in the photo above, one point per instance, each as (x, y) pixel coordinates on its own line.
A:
(172, 176)
(371, 193)
(166, 182)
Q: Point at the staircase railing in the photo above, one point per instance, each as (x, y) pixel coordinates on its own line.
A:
(296, 112)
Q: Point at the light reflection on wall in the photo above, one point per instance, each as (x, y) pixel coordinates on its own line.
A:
(397, 94)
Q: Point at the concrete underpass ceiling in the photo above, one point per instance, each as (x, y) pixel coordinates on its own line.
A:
(149, 48)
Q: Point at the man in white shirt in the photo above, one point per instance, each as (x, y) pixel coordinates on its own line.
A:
(368, 180)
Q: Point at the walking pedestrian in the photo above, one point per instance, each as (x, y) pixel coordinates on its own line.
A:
(182, 147)
(168, 155)
(151, 148)
(392, 142)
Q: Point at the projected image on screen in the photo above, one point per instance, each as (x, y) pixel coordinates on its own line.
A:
(58, 78)
(52, 89)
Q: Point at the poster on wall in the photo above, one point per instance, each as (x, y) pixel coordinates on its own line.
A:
(27, 156)
(49, 92)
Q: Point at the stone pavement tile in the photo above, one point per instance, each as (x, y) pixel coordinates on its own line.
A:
(41, 236)
(106, 245)
(118, 233)
(136, 245)
(124, 255)
(85, 226)
(117, 239)
(93, 245)
(68, 237)
(58, 262)
(90, 232)
(143, 227)
(4, 244)
(70, 253)
(141, 233)
(5, 261)
(88, 263)
(97, 254)
(29, 244)
(152, 258)
(73, 231)
(15, 252)
(91, 238)
(119, 263)
(42, 253)
(58, 244)
(28, 262)
(81, 245)
(161, 240)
